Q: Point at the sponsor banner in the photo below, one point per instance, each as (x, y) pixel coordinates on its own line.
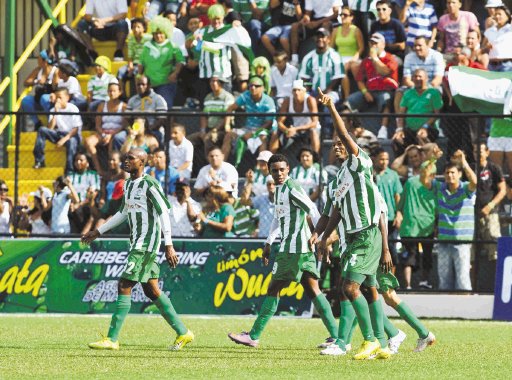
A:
(65, 276)
(503, 288)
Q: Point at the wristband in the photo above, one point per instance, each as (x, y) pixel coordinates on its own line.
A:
(364, 91)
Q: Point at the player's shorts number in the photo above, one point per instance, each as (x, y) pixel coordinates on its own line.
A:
(274, 268)
(129, 267)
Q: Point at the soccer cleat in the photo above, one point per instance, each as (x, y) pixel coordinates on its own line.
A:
(367, 349)
(182, 340)
(383, 133)
(328, 341)
(395, 342)
(244, 338)
(104, 344)
(333, 350)
(425, 342)
(383, 353)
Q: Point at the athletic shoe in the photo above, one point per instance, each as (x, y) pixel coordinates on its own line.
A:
(104, 344)
(118, 56)
(244, 338)
(182, 340)
(328, 342)
(383, 133)
(425, 285)
(367, 349)
(333, 350)
(383, 353)
(425, 342)
(395, 342)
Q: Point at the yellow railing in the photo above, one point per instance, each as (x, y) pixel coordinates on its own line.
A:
(78, 17)
(57, 12)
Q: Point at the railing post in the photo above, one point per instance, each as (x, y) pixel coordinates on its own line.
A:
(10, 45)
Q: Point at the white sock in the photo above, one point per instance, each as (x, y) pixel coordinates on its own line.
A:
(295, 58)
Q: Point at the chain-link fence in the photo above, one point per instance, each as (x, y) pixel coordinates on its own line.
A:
(416, 257)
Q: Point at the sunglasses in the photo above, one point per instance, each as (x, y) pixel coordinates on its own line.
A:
(4, 189)
(255, 85)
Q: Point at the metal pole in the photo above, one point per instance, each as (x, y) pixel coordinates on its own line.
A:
(47, 11)
(10, 46)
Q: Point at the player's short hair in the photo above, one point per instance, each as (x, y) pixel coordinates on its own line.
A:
(277, 158)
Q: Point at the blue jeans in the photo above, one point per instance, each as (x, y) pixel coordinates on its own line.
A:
(53, 136)
(502, 67)
(29, 104)
(255, 29)
(168, 92)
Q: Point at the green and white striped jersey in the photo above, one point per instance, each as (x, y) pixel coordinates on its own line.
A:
(330, 205)
(148, 213)
(357, 194)
(360, 5)
(292, 208)
(309, 178)
(214, 56)
(321, 69)
(82, 181)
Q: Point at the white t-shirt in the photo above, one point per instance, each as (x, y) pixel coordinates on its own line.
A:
(102, 8)
(65, 123)
(501, 41)
(226, 173)
(180, 224)
(5, 219)
(73, 87)
(178, 40)
(179, 154)
(60, 208)
(322, 8)
(283, 82)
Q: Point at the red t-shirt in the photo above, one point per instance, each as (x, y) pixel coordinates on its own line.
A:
(203, 18)
(375, 81)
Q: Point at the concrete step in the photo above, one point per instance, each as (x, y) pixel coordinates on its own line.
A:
(107, 48)
(28, 186)
(31, 173)
(55, 157)
(29, 138)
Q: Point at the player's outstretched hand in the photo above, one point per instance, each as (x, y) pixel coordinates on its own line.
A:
(266, 254)
(321, 250)
(171, 257)
(313, 240)
(326, 100)
(90, 236)
(385, 261)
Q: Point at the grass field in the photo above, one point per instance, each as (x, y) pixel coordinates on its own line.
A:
(49, 347)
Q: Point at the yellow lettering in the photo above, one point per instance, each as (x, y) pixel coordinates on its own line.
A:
(294, 289)
(232, 264)
(256, 254)
(22, 275)
(8, 279)
(12, 280)
(243, 258)
(35, 281)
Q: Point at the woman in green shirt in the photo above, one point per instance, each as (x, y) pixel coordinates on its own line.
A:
(217, 219)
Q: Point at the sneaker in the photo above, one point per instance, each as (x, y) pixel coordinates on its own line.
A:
(383, 353)
(244, 338)
(182, 340)
(333, 350)
(104, 344)
(425, 285)
(395, 342)
(424, 343)
(39, 165)
(118, 56)
(367, 349)
(383, 133)
(328, 342)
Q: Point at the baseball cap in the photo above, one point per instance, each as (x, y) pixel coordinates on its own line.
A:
(219, 76)
(298, 84)
(493, 3)
(323, 32)
(377, 37)
(256, 80)
(46, 193)
(264, 155)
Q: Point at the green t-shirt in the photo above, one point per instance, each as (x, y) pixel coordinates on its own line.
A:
(389, 185)
(135, 47)
(428, 102)
(418, 206)
(246, 219)
(244, 8)
(218, 216)
(159, 61)
(219, 103)
(501, 128)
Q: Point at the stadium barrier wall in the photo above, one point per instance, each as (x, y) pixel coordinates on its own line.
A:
(65, 276)
(503, 287)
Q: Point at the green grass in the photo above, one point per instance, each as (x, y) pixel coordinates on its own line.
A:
(47, 347)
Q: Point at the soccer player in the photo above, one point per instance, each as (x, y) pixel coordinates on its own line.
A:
(147, 210)
(295, 260)
(356, 199)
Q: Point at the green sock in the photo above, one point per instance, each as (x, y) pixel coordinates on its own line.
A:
(363, 317)
(267, 310)
(352, 329)
(347, 317)
(377, 317)
(324, 309)
(389, 328)
(407, 315)
(164, 304)
(123, 305)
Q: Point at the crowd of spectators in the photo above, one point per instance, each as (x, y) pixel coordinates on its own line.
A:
(389, 59)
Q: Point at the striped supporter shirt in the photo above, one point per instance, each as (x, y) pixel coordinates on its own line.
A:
(329, 206)
(83, 181)
(420, 22)
(309, 178)
(321, 69)
(456, 211)
(147, 210)
(215, 57)
(360, 5)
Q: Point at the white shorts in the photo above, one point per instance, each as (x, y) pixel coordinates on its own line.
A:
(500, 144)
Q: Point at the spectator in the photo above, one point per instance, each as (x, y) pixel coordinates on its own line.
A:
(455, 209)
(377, 79)
(255, 18)
(135, 43)
(408, 163)
(308, 173)
(392, 30)
(500, 143)
(454, 26)
(62, 130)
(364, 138)
(166, 175)
(284, 13)
(254, 133)
(491, 190)
(491, 8)
(110, 178)
(348, 41)
(322, 67)
(181, 152)
(156, 7)
(216, 173)
(148, 102)
(6, 209)
(282, 75)
(190, 72)
(418, 100)
(319, 14)
(245, 221)
(138, 138)
(37, 220)
(213, 128)
(390, 187)
(178, 37)
(105, 21)
(68, 80)
(477, 54)
(107, 126)
(264, 203)
(200, 9)
(111, 207)
(256, 180)
(185, 211)
(161, 61)
(498, 41)
(63, 195)
(62, 50)
(423, 57)
(97, 86)
(43, 79)
(216, 219)
(261, 67)
(421, 19)
(303, 128)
